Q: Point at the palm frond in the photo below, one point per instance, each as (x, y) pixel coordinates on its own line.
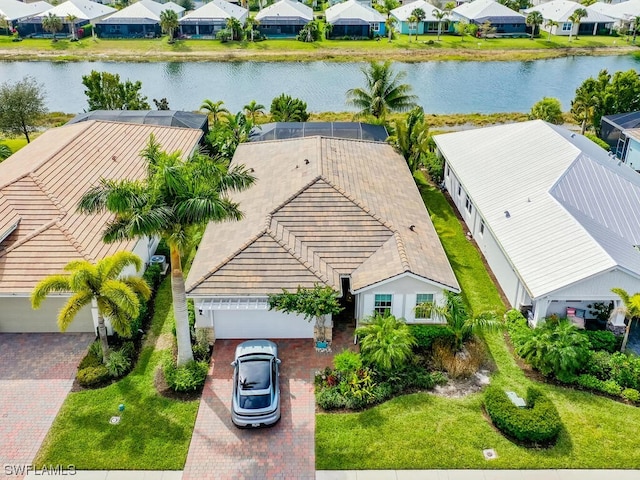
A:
(113, 266)
(138, 285)
(53, 283)
(70, 309)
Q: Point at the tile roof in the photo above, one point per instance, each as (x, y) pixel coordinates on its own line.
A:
(321, 209)
(43, 182)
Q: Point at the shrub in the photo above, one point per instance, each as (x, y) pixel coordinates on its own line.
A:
(625, 370)
(90, 360)
(187, 378)
(601, 340)
(330, 399)
(598, 141)
(461, 364)
(118, 364)
(128, 349)
(163, 249)
(201, 352)
(153, 275)
(385, 342)
(434, 166)
(284, 108)
(548, 109)
(599, 365)
(93, 376)
(95, 349)
(631, 394)
(538, 423)
(611, 387)
(439, 378)
(590, 382)
(425, 335)
(347, 361)
(191, 313)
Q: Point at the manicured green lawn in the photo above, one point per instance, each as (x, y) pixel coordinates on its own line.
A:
(15, 144)
(423, 431)
(154, 432)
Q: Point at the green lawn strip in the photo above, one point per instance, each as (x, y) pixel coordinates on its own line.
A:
(424, 431)
(154, 432)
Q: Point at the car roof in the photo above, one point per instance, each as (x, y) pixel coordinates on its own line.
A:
(252, 347)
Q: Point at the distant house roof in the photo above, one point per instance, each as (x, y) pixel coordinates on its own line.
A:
(216, 10)
(285, 11)
(41, 184)
(143, 11)
(81, 9)
(625, 10)
(623, 120)
(481, 11)
(14, 10)
(167, 118)
(560, 208)
(405, 11)
(561, 10)
(351, 12)
(320, 209)
(285, 130)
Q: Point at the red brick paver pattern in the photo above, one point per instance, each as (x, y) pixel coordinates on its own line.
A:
(219, 450)
(36, 373)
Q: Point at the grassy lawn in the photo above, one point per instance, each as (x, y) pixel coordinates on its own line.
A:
(154, 432)
(423, 431)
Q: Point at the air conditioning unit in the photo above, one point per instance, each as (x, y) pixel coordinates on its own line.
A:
(159, 260)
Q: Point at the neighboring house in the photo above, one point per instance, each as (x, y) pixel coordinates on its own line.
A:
(85, 12)
(210, 18)
(15, 11)
(284, 130)
(428, 25)
(556, 218)
(503, 19)
(165, 118)
(612, 128)
(354, 19)
(560, 11)
(623, 12)
(139, 20)
(40, 229)
(284, 18)
(329, 211)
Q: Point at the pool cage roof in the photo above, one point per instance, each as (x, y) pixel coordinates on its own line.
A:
(351, 130)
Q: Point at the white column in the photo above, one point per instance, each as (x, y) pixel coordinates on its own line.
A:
(540, 308)
(618, 316)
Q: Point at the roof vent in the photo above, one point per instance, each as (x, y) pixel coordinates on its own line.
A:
(251, 170)
(573, 135)
(507, 214)
(412, 228)
(306, 161)
(114, 158)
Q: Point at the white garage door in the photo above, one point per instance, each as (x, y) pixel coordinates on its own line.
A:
(260, 324)
(17, 316)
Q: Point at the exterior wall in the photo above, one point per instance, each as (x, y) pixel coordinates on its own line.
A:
(17, 316)
(404, 291)
(632, 154)
(423, 27)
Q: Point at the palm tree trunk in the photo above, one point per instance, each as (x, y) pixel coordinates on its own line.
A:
(439, 30)
(584, 126)
(626, 336)
(183, 332)
(102, 334)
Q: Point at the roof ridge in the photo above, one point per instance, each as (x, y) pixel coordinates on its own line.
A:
(73, 240)
(40, 184)
(36, 232)
(291, 198)
(402, 251)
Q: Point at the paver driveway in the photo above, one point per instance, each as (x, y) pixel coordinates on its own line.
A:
(36, 373)
(219, 450)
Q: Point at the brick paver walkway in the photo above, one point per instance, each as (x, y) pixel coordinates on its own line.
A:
(219, 450)
(36, 373)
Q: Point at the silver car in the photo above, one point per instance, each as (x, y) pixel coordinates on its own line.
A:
(256, 385)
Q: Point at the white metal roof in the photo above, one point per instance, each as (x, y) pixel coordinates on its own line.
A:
(353, 9)
(82, 9)
(404, 12)
(147, 9)
(567, 201)
(14, 10)
(481, 9)
(626, 10)
(218, 10)
(561, 10)
(286, 9)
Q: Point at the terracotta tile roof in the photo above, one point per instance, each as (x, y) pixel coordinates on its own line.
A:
(43, 182)
(333, 208)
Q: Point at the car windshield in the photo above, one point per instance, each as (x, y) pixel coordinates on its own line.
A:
(254, 374)
(255, 401)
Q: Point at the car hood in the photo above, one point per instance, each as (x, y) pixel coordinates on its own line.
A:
(257, 347)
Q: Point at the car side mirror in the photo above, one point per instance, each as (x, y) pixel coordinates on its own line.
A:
(234, 363)
(278, 361)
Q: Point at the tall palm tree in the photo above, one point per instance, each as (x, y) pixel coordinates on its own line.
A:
(635, 26)
(630, 309)
(550, 24)
(386, 7)
(251, 24)
(71, 20)
(115, 296)
(420, 16)
(413, 25)
(176, 197)
(235, 27)
(533, 20)
(52, 24)
(383, 92)
(575, 18)
(440, 15)
(583, 107)
(253, 109)
(213, 109)
(169, 22)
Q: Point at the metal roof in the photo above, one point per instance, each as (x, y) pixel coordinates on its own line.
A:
(148, 10)
(561, 10)
(623, 120)
(14, 10)
(285, 9)
(572, 210)
(481, 10)
(81, 9)
(353, 130)
(352, 12)
(403, 12)
(219, 10)
(167, 118)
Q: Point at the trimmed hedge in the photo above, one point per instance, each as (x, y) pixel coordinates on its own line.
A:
(93, 376)
(425, 335)
(538, 423)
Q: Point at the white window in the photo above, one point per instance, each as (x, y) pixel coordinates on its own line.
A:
(468, 205)
(481, 227)
(376, 27)
(566, 27)
(447, 170)
(382, 303)
(424, 303)
(459, 190)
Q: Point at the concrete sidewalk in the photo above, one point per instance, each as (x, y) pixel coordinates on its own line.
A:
(478, 475)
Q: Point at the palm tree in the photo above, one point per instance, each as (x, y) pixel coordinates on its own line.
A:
(630, 309)
(5, 24)
(461, 324)
(103, 284)
(533, 20)
(176, 197)
(235, 27)
(420, 16)
(440, 15)
(386, 7)
(386, 341)
(383, 92)
(583, 107)
(253, 109)
(71, 20)
(575, 18)
(52, 24)
(550, 24)
(169, 22)
(411, 138)
(413, 25)
(213, 109)
(5, 151)
(390, 25)
(251, 25)
(635, 25)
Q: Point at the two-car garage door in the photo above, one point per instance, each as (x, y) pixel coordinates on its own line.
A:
(258, 324)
